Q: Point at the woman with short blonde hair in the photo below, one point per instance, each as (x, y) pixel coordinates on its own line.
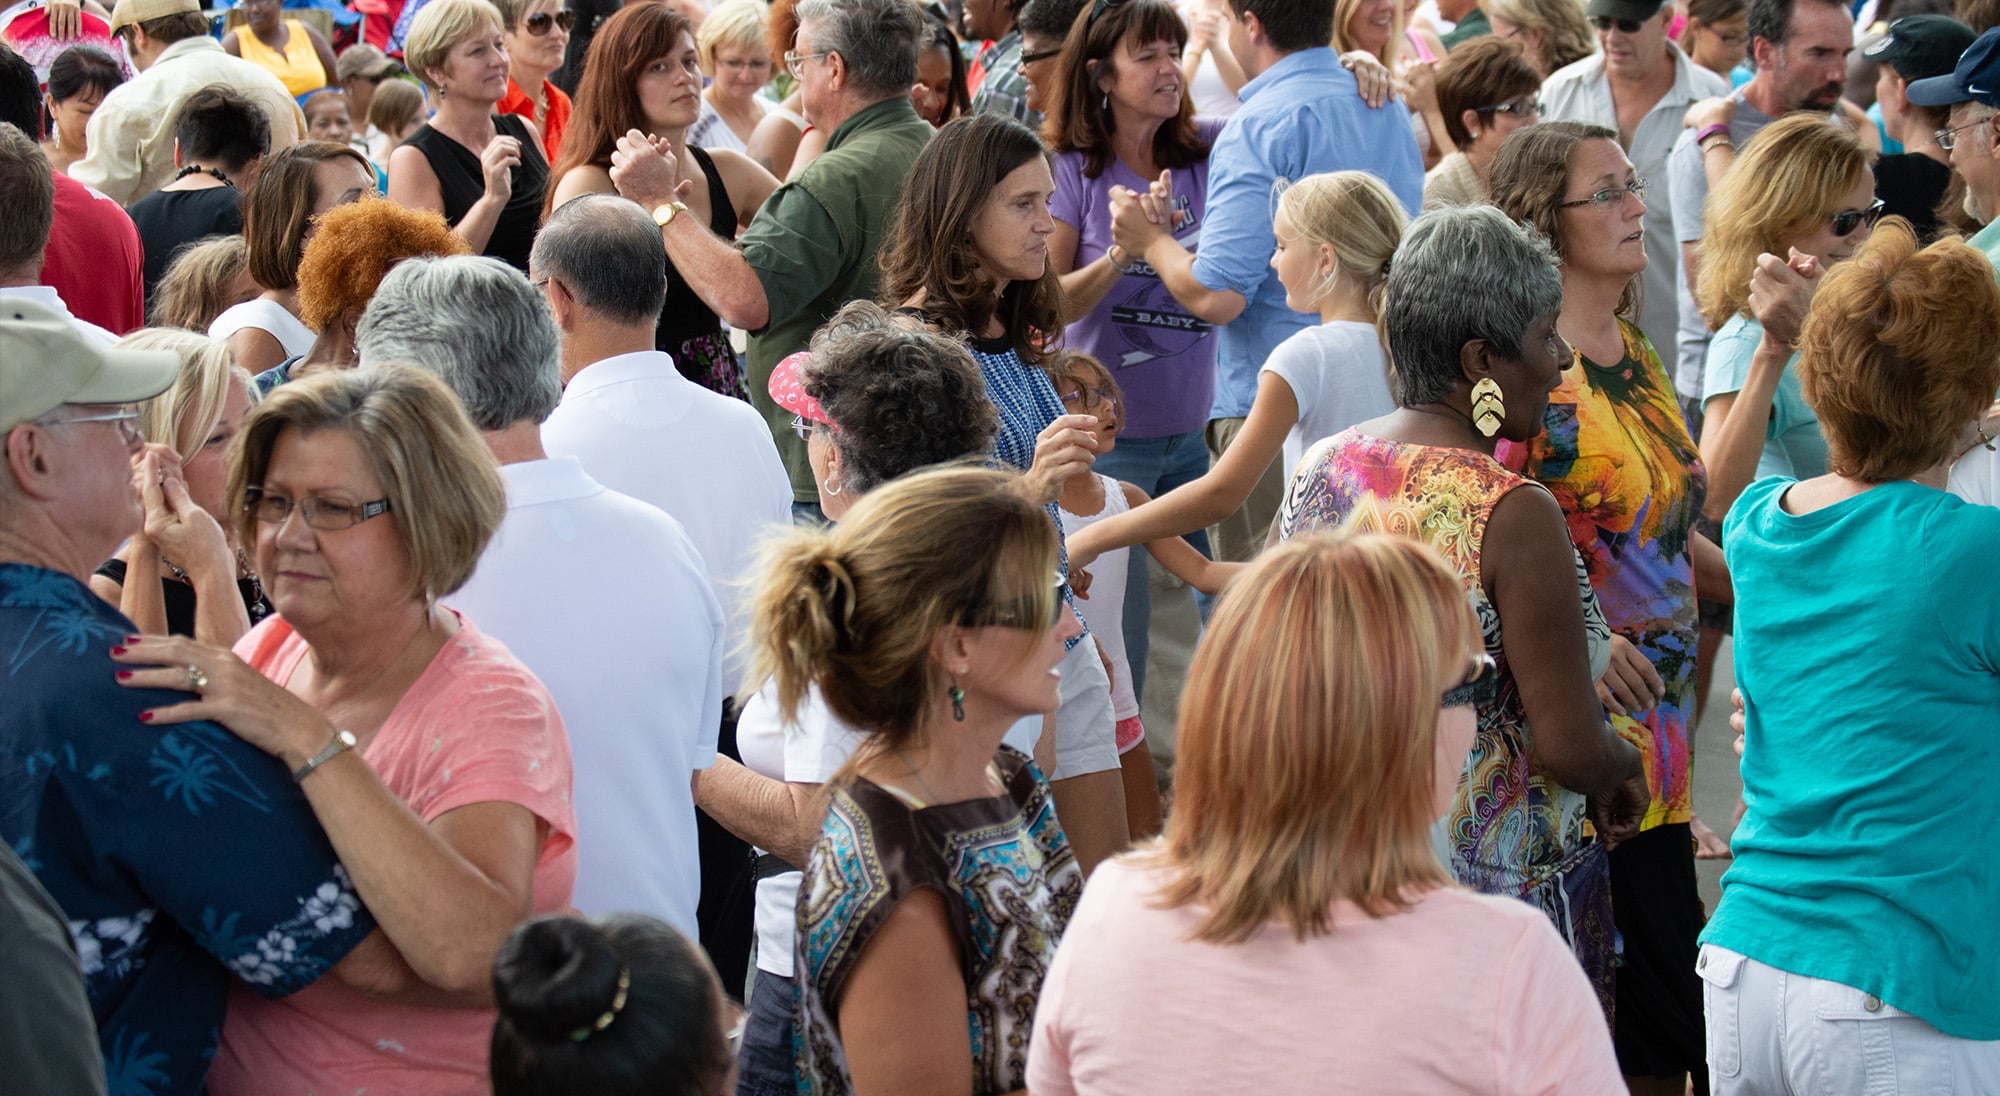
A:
(1326, 719)
(1553, 33)
(738, 65)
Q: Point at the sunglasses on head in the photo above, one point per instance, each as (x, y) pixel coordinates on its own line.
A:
(1477, 689)
(1847, 220)
(1606, 22)
(1099, 9)
(539, 23)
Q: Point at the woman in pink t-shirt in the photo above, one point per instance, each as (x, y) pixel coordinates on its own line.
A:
(1294, 932)
(435, 760)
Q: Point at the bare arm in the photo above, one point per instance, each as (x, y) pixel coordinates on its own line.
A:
(324, 51)
(231, 45)
(578, 181)
(1530, 573)
(902, 1013)
(781, 817)
(1182, 559)
(1711, 571)
(256, 350)
(1691, 262)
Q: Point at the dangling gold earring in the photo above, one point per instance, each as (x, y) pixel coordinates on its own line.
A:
(1487, 408)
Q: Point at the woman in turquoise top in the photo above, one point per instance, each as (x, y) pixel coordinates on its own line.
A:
(1855, 937)
(1804, 191)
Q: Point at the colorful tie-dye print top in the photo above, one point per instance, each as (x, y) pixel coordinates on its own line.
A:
(1617, 455)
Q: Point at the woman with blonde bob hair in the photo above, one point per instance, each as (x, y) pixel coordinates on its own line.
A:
(1856, 759)
(1806, 196)
(1552, 33)
(434, 760)
(183, 573)
(1294, 921)
(931, 620)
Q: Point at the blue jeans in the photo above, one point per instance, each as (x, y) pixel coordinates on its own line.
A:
(764, 1065)
(1155, 466)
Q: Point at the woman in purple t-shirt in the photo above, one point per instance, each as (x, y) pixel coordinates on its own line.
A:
(1119, 115)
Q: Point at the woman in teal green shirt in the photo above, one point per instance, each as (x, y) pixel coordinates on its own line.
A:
(1855, 937)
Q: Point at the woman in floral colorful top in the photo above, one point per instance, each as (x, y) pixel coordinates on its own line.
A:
(1616, 453)
(1471, 318)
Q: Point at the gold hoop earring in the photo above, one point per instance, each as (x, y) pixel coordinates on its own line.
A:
(1488, 410)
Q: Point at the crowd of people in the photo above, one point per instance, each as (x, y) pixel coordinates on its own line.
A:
(550, 546)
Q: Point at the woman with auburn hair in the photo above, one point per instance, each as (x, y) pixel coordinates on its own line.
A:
(1470, 311)
(183, 573)
(1294, 923)
(1119, 115)
(435, 761)
(485, 171)
(1889, 582)
(342, 267)
(1805, 194)
(1486, 90)
(643, 74)
(295, 186)
(930, 620)
(1553, 34)
(1616, 454)
(968, 254)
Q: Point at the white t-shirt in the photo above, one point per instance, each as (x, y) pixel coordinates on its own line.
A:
(642, 429)
(1337, 373)
(809, 751)
(607, 601)
(1975, 477)
(269, 317)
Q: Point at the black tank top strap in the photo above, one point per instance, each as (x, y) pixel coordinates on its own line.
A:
(721, 211)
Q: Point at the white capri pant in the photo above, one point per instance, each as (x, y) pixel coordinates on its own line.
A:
(1770, 1032)
(1086, 734)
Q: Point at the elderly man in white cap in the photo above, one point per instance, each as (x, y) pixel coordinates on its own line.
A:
(178, 857)
(131, 136)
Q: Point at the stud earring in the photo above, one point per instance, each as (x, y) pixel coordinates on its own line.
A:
(1487, 408)
(957, 696)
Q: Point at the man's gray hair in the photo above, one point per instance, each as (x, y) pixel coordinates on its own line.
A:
(878, 39)
(1463, 273)
(607, 252)
(477, 325)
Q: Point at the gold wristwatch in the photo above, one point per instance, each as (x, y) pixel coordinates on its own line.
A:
(664, 215)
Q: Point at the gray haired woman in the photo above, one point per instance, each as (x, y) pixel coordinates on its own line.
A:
(1471, 319)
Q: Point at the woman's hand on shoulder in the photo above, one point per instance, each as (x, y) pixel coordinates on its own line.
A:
(226, 690)
(1373, 79)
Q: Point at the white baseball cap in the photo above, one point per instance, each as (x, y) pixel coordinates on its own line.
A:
(44, 364)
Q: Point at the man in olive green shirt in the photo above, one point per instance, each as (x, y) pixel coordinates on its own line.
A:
(812, 246)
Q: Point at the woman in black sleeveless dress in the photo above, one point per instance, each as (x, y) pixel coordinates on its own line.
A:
(485, 172)
(643, 74)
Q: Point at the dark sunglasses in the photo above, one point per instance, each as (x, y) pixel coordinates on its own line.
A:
(539, 23)
(1478, 689)
(1018, 612)
(1847, 220)
(1605, 22)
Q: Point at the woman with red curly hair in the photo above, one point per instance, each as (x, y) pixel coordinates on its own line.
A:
(353, 248)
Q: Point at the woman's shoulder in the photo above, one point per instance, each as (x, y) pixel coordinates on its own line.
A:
(261, 314)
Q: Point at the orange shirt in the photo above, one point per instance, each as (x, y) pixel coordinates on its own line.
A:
(517, 102)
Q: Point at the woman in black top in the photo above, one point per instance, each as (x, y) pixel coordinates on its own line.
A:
(485, 172)
(222, 138)
(643, 74)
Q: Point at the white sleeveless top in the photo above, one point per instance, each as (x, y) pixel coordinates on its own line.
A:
(269, 317)
(1104, 610)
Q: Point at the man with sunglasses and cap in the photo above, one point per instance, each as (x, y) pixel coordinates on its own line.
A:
(1912, 183)
(178, 857)
(1640, 84)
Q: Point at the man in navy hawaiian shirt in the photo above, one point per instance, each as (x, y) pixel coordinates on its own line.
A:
(180, 856)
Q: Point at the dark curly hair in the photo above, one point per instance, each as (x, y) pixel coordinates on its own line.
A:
(900, 398)
(355, 249)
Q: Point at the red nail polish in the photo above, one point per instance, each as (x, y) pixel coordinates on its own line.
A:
(117, 650)
(133, 639)
(124, 675)
(145, 717)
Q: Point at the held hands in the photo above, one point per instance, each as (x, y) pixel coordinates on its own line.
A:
(1204, 31)
(1418, 86)
(1630, 685)
(497, 162)
(1063, 449)
(1781, 291)
(1138, 220)
(1370, 75)
(645, 170)
(226, 690)
(181, 531)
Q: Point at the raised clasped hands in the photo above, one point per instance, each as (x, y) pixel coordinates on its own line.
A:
(176, 527)
(645, 170)
(1781, 292)
(1138, 220)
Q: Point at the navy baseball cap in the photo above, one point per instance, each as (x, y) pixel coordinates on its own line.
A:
(1922, 46)
(1975, 80)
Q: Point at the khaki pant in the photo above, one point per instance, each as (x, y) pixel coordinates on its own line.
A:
(1241, 535)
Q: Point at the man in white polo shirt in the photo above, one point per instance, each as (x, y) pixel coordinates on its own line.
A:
(601, 595)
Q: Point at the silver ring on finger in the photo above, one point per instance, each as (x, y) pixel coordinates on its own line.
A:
(197, 680)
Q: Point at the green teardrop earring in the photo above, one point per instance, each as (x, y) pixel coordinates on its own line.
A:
(957, 696)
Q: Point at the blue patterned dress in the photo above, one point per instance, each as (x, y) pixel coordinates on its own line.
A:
(1009, 884)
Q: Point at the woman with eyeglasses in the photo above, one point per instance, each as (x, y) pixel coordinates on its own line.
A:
(1485, 90)
(1802, 193)
(485, 171)
(1616, 453)
(1471, 311)
(434, 760)
(537, 32)
(1294, 925)
(930, 620)
(644, 74)
(738, 64)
